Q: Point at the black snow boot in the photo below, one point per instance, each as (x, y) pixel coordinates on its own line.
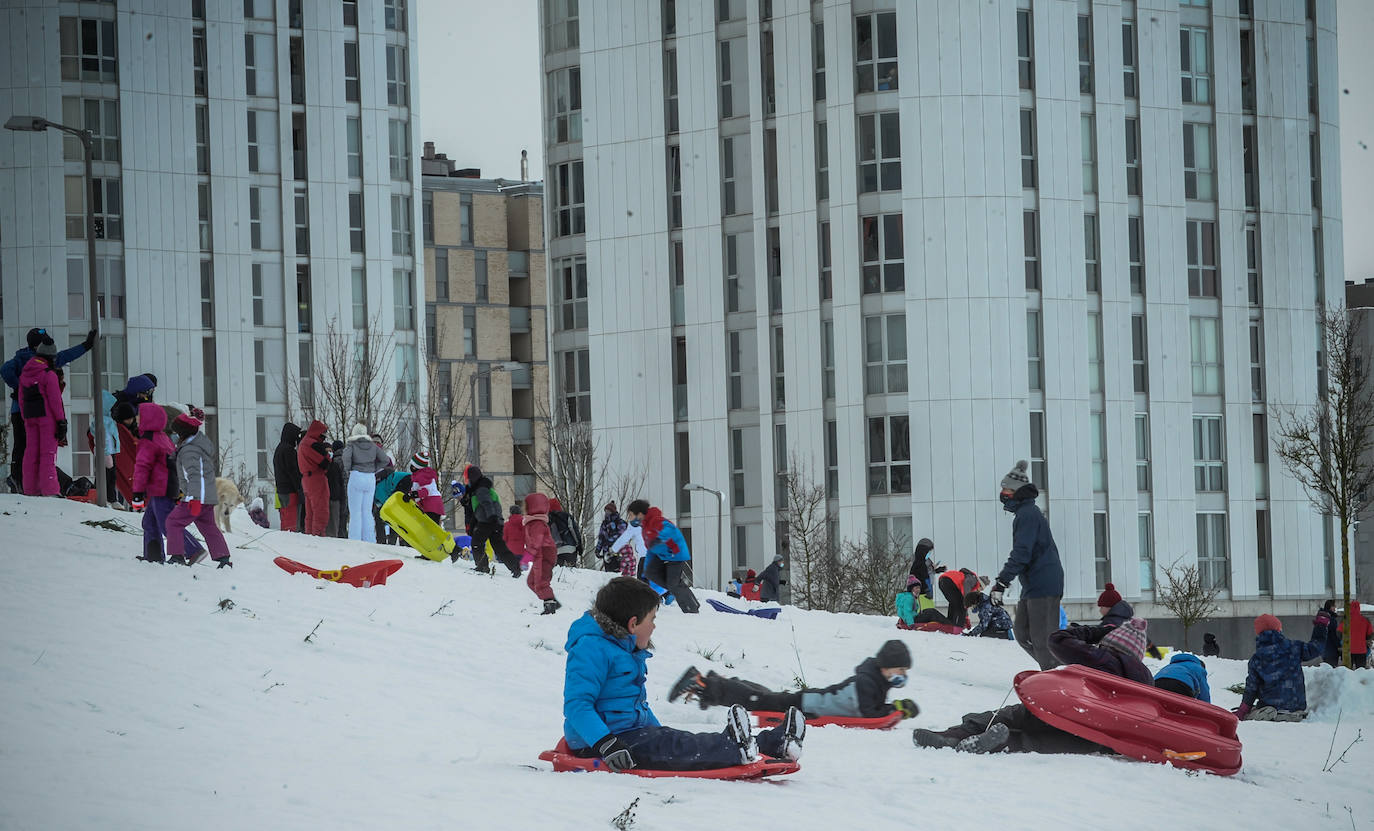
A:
(177, 560)
(551, 606)
(691, 685)
(224, 563)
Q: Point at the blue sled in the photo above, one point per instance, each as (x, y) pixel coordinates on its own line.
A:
(766, 614)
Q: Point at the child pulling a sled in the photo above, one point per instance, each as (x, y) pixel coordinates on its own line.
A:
(606, 708)
(861, 695)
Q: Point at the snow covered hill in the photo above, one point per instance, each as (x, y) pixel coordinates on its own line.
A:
(151, 697)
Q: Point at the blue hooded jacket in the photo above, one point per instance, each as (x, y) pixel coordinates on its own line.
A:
(1034, 557)
(11, 368)
(1190, 670)
(603, 682)
(1275, 676)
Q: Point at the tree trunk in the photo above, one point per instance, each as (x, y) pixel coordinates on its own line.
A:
(1186, 628)
(1345, 579)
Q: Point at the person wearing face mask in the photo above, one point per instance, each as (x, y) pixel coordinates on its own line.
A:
(1034, 560)
(861, 695)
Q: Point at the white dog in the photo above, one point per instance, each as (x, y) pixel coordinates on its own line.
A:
(229, 498)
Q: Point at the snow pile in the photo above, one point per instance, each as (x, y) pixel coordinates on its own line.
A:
(1333, 692)
(152, 697)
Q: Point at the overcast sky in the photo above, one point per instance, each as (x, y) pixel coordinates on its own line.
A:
(479, 97)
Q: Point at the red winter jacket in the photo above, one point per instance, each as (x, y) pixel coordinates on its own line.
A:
(424, 487)
(538, 539)
(312, 454)
(154, 448)
(513, 532)
(1359, 629)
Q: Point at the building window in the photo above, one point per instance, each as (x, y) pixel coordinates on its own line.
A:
(1208, 467)
(577, 384)
(735, 369)
(889, 455)
(1135, 245)
(1198, 170)
(875, 52)
(828, 359)
(399, 141)
(1085, 54)
(883, 268)
(203, 214)
(1092, 269)
(207, 295)
(350, 12)
(822, 161)
(1256, 361)
(469, 332)
(824, 257)
(1202, 258)
(250, 63)
(890, 532)
(402, 232)
(1213, 564)
(680, 375)
(670, 117)
(727, 84)
(1195, 49)
(1314, 157)
(302, 223)
(770, 99)
(1145, 550)
(1039, 467)
(1030, 233)
(89, 50)
(407, 380)
(832, 461)
(255, 217)
(304, 316)
(1142, 452)
(880, 153)
(107, 207)
(774, 270)
(354, 127)
(295, 65)
(1035, 370)
(351, 83)
(1260, 434)
(1132, 157)
(779, 371)
(1264, 568)
(1128, 59)
(1139, 368)
(264, 450)
(259, 298)
(1088, 132)
(465, 211)
(260, 371)
(480, 277)
(359, 297)
(675, 183)
(818, 60)
(732, 278)
(1102, 561)
(569, 198)
(306, 362)
(560, 25)
(198, 62)
(403, 299)
(565, 104)
(254, 148)
(441, 294)
(355, 223)
(1247, 71)
(298, 147)
(397, 76)
(1025, 49)
(101, 117)
(1253, 282)
(885, 354)
(1249, 163)
(1206, 356)
(738, 496)
(1097, 427)
(728, 203)
(571, 278)
(1027, 148)
(394, 15)
(1094, 353)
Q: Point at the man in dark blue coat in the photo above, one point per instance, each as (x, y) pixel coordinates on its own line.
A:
(1034, 559)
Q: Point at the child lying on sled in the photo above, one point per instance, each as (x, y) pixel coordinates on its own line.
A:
(862, 695)
(606, 710)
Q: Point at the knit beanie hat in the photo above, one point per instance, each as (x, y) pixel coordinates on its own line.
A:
(36, 336)
(777, 558)
(1109, 598)
(516, 510)
(1265, 623)
(610, 507)
(895, 654)
(1128, 638)
(750, 574)
(419, 460)
(1014, 480)
(46, 349)
(912, 580)
(185, 426)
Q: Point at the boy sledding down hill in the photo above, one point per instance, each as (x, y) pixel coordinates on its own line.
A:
(606, 709)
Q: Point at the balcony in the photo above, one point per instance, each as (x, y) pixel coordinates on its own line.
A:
(522, 430)
(521, 379)
(519, 319)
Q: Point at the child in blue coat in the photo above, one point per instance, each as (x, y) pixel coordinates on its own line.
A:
(606, 709)
(1274, 686)
(993, 621)
(1186, 675)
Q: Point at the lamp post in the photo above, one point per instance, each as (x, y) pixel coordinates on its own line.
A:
(720, 519)
(474, 436)
(35, 124)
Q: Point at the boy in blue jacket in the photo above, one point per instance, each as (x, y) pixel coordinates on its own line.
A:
(1274, 686)
(993, 621)
(606, 709)
(1186, 675)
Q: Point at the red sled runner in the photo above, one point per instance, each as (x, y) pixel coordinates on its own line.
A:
(362, 576)
(767, 718)
(565, 760)
(931, 626)
(1137, 721)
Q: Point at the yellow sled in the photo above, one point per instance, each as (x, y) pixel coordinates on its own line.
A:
(423, 533)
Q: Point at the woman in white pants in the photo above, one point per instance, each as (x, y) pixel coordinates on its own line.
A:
(363, 458)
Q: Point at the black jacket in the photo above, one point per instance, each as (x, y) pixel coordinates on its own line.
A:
(479, 494)
(920, 569)
(338, 487)
(867, 685)
(285, 470)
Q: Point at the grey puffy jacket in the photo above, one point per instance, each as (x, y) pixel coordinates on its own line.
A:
(196, 468)
(364, 456)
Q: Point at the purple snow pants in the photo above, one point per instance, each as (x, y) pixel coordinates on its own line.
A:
(180, 517)
(155, 528)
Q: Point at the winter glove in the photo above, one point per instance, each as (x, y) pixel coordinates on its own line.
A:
(615, 753)
(89, 342)
(194, 506)
(139, 496)
(139, 502)
(1242, 711)
(906, 707)
(995, 596)
(62, 433)
(405, 497)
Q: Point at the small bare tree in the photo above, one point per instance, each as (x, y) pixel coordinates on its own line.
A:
(1327, 447)
(879, 567)
(1184, 592)
(817, 567)
(443, 422)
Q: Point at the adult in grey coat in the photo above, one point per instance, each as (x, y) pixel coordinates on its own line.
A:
(363, 459)
(195, 461)
(770, 580)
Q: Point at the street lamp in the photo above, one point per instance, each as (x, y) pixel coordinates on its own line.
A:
(474, 436)
(35, 124)
(720, 519)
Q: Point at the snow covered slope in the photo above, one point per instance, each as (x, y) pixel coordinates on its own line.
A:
(135, 696)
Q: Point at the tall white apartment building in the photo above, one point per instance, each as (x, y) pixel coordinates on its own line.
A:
(254, 190)
(906, 243)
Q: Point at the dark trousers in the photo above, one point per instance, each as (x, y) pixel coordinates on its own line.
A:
(956, 615)
(724, 691)
(663, 748)
(930, 616)
(17, 445)
(669, 575)
(337, 523)
(1174, 685)
(481, 534)
(155, 528)
(1028, 733)
(1035, 619)
(385, 535)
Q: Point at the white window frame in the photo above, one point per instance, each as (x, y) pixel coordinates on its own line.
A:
(1213, 560)
(1195, 64)
(880, 152)
(565, 104)
(885, 354)
(1205, 339)
(889, 454)
(1201, 254)
(1199, 168)
(884, 261)
(1209, 454)
(875, 61)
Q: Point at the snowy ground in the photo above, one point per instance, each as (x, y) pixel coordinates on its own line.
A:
(128, 699)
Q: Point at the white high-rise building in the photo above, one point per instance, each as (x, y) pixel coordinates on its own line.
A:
(254, 191)
(904, 244)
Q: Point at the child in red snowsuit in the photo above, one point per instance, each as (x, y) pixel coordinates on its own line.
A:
(312, 456)
(539, 542)
(513, 532)
(45, 421)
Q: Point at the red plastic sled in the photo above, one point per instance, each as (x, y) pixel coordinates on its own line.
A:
(362, 576)
(1135, 720)
(932, 626)
(565, 760)
(766, 718)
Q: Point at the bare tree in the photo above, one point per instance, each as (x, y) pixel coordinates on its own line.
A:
(879, 567)
(443, 423)
(818, 569)
(1190, 598)
(1327, 446)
